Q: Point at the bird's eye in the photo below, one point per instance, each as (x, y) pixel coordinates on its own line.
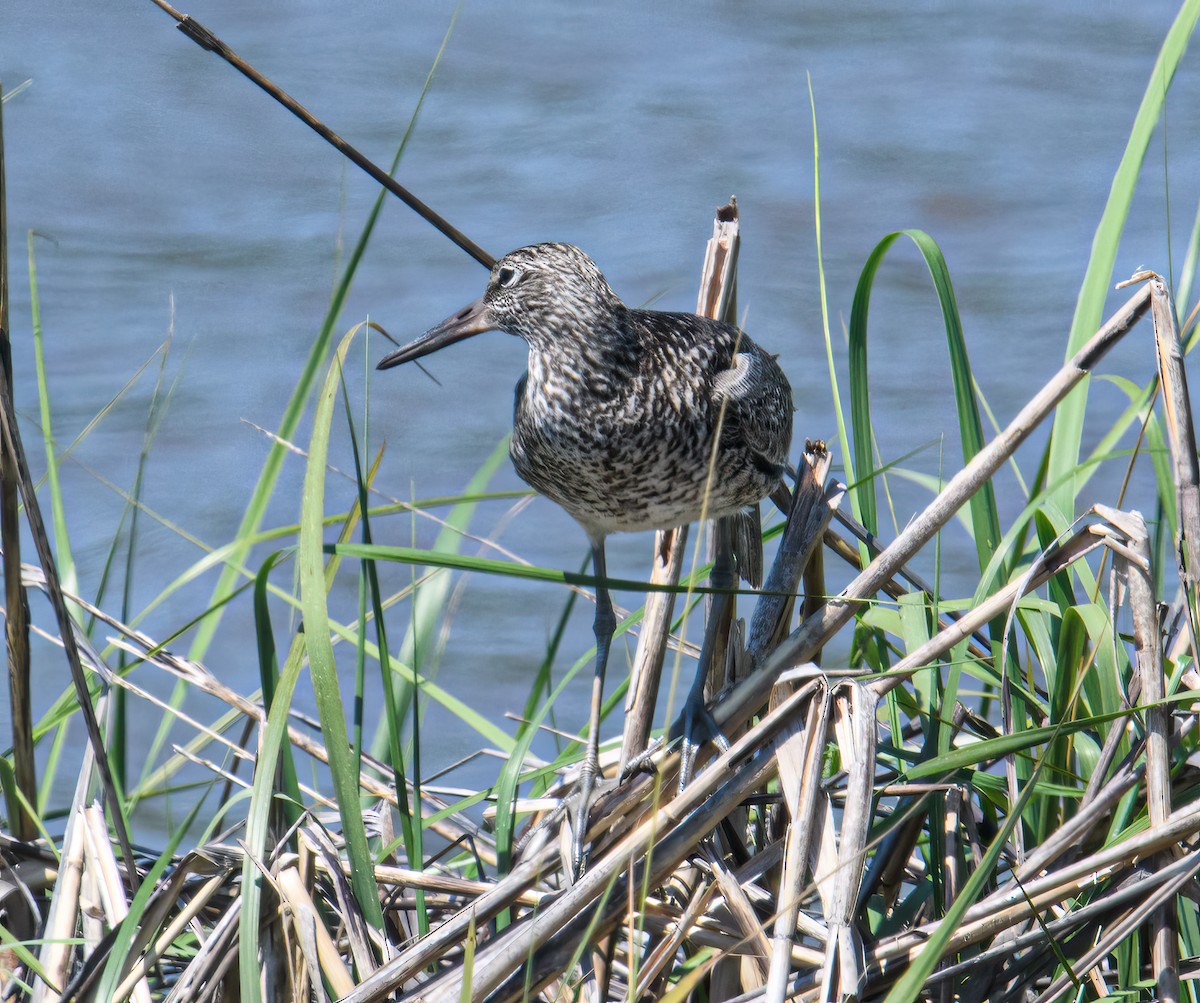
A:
(508, 276)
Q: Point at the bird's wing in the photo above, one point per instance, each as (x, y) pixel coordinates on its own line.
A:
(757, 404)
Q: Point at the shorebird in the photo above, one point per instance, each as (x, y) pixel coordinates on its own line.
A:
(629, 419)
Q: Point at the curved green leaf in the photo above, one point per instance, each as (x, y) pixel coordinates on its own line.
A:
(984, 514)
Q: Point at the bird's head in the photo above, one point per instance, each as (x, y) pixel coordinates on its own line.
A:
(542, 293)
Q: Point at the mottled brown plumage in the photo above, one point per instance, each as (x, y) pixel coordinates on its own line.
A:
(629, 419)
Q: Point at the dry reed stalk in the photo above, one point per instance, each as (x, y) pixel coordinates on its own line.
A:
(55, 954)
(321, 955)
(754, 949)
(447, 884)
(11, 446)
(800, 779)
(101, 865)
(16, 603)
(1149, 670)
(1177, 415)
(854, 722)
(646, 672)
(809, 512)
(186, 915)
(732, 537)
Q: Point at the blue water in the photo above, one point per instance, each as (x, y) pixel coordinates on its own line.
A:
(175, 197)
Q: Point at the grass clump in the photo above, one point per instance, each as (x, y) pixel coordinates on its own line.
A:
(990, 796)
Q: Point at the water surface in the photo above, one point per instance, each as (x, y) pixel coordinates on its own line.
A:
(175, 198)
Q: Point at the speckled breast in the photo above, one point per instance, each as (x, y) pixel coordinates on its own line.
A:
(643, 461)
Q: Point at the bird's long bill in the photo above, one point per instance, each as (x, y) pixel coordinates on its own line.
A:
(469, 320)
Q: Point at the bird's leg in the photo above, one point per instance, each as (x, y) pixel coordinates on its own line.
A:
(603, 626)
(697, 723)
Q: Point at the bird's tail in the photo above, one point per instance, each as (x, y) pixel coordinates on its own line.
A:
(747, 545)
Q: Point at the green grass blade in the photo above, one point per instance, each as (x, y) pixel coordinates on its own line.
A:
(838, 412)
(508, 783)
(985, 517)
(269, 475)
(1187, 275)
(322, 664)
(411, 831)
(1068, 420)
(511, 569)
(268, 668)
(58, 514)
(431, 595)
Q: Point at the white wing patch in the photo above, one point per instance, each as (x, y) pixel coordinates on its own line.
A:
(744, 376)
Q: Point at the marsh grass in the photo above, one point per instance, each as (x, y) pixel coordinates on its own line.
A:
(991, 797)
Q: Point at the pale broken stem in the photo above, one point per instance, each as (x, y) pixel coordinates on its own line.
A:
(321, 955)
(801, 789)
(1181, 438)
(856, 707)
(1149, 667)
(755, 948)
(1177, 411)
(669, 548)
(57, 947)
(99, 858)
(811, 509)
(717, 281)
(718, 301)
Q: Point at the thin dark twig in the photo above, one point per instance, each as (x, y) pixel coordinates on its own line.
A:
(207, 40)
(37, 528)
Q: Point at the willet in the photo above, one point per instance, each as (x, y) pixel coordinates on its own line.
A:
(629, 419)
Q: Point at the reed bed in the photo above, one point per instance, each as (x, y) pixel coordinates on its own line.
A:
(990, 796)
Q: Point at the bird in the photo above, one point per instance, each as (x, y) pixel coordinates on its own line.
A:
(629, 419)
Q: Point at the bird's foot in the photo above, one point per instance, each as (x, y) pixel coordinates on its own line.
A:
(696, 726)
(584, 797)
(643, 762)
(575, 807)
